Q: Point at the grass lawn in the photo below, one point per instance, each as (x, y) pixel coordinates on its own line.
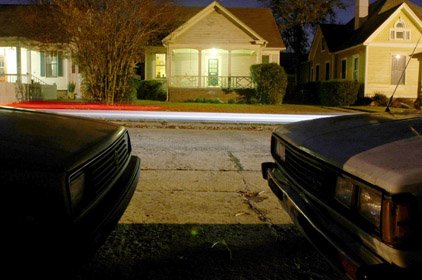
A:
(240, 108)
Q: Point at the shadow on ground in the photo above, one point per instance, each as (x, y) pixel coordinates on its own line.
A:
(167, 251)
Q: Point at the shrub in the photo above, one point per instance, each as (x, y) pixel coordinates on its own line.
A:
(150, 90)
(247, 94)
(380, 99)
(271, 82)
(338, 92)
(206, 100)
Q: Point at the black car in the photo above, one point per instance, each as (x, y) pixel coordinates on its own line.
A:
(65, 183)
(353, 186)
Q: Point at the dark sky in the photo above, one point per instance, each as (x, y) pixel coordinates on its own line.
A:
(343, 15)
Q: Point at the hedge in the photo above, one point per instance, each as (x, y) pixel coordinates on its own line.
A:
(338, 92)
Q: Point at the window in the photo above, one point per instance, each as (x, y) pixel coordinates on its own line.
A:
(322, 45)
(51, 64)
(343, 68)
(356, 68)
(317, 73)
(311, 74)
(399, 32)
(2, 71)
(160, 65)
(327, 70)
(265, 59)
(398, 65)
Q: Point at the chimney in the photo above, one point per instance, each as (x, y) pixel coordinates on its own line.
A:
(361, 12)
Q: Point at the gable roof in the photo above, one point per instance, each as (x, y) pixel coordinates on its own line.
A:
(15, 20)
(339, 37)
(259, 21)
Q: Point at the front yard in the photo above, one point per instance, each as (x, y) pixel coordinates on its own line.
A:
(146, 105)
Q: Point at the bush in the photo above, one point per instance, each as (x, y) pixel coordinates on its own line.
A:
(380, 99)
(247, 95)
(338, 92)
(271, 82)
(206, 100)
(150, 90)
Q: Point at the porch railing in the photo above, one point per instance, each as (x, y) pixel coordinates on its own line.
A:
(230, 82)
(25, 79)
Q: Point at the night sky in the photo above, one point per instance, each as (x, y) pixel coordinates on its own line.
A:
(343, 16)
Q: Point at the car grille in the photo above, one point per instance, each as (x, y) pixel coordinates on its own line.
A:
(105, 167)
(308, 172)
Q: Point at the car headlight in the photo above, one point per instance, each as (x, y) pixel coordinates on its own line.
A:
(344, 191)
(280, 150)
(369, 205)
(77, 189)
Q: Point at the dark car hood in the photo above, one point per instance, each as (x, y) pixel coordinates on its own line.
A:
(384, 149)
(30, 139)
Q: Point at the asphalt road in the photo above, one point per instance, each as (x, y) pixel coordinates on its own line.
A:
(202, 211)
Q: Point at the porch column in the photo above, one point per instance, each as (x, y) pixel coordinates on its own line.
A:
(18, 63)
(199, 68)
(169, 66)
(169, 59)
(229, 79)
(28, 65)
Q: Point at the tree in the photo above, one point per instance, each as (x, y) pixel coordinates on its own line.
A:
(108, 38)
(298, 18)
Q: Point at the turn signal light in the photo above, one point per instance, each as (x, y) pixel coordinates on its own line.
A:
(399, 220)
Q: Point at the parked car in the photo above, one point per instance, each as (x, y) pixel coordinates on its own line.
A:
(65, 183)
(353, 186)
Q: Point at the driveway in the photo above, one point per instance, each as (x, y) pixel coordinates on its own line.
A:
(202, 211)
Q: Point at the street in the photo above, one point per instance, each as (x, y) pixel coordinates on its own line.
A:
(203, 211)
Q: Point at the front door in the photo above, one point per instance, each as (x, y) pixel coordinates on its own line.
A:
(213, 72)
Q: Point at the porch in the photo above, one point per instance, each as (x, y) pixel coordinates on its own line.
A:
(202, 68)
(14, 87)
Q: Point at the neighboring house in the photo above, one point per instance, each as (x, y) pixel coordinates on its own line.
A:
(26, 58)
(374, 49)
(212, 50)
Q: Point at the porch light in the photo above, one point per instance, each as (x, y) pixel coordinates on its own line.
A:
(214, 52)
(397, 56)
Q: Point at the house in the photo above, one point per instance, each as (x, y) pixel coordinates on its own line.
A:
(380, 48)
(32, 63)
(212, 49)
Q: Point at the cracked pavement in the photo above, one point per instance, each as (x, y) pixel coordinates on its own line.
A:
(202, 211)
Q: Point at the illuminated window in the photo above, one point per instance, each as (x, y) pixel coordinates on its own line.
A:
(356, 68)
(160, 65)
(51, 64)
(2, 71)
(398, 65)
(399, 32)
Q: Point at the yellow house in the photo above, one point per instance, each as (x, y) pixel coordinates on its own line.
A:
(212, 49)
(379, 48)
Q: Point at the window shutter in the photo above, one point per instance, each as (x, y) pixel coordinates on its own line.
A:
(392, 32)
(42, 63)
(59, 64)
